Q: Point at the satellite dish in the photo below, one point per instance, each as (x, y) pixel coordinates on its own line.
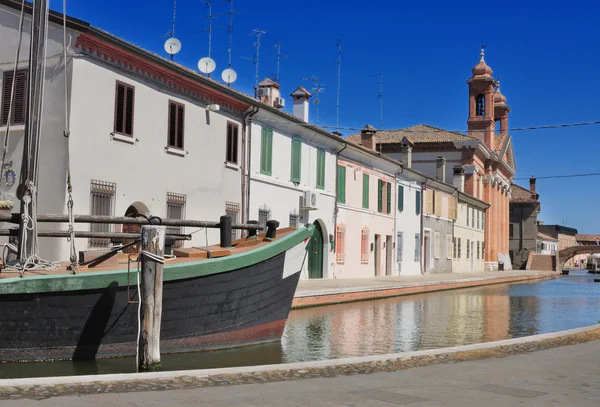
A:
(172, 46)
(207, 65)
(229, 76)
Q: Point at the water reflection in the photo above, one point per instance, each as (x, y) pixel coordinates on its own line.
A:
(400, 324)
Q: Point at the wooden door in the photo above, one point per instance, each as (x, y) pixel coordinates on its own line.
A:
(315, 253)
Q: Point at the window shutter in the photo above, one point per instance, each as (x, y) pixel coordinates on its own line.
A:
(341, 184)
(320, 168)
(418, 202)
(389, 197)
(429, 202)
(399, 247)
(172, 124)
(401, 198)
(20, 97)
(180, 125)
(366, 191)
(266, 148)
(364, 246)
(438, 203)
(379, 195)
(296, 160)
(119, 107)
(129, 100)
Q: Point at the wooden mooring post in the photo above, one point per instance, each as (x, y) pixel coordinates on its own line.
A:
(151, 293)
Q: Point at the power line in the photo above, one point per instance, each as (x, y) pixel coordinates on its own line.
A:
(592, 174)
(436, 130)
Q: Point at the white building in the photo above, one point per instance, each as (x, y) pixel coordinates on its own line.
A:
(409, 218)
(547, 244)
(291, 174)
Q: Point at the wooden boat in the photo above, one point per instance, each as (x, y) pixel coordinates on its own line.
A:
(240, 296)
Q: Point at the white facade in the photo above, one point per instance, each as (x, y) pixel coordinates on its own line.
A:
(281, 197)
(408, 227)
(469, 237)
(547, 246)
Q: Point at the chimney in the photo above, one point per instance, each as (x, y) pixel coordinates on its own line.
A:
(440, 169)
(458, 180)
(300, 109)
(367, 137)
(268, 93)
(532, 184)
(337, 133)
(406, 147)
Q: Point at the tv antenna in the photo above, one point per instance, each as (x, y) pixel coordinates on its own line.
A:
(380, 96)
(339, 65)
(257, 32)
(229, 29)
(207, 65)
(317, 88)
(279, 55)
(172, 44)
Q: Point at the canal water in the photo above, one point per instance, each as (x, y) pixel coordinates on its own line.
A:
(401, 324)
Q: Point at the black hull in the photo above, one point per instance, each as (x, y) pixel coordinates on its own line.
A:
(235, 308)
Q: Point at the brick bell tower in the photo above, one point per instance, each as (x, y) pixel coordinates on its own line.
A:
(481, 102)
(501, 110)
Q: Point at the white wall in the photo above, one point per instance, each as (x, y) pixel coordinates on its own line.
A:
(549, 247)
(52, 161)
(408, 222)
(356, 218)
(468, 229)
(282, 196)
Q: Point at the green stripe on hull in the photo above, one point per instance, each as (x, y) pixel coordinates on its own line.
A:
(100, 279)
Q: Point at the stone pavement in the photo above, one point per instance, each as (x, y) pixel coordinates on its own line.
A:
(563, 376)
(333, 291)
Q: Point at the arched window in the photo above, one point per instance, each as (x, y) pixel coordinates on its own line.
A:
(480, 105)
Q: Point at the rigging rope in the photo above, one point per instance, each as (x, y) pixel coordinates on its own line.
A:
(12, 92)
(67, 133)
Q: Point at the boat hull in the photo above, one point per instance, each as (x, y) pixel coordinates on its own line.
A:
(245, 306)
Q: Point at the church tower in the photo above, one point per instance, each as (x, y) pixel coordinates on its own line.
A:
(481, 122)
(501, 110)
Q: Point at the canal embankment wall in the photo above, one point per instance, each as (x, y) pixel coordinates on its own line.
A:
(312, 293)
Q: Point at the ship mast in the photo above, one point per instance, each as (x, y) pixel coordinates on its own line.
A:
(28, 234)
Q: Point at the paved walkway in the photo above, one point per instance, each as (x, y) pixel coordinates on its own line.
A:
(331, 291)
(564, 376)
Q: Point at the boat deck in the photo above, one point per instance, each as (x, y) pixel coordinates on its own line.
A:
(121, 261)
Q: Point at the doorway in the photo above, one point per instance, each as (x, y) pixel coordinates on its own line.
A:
(377, 255)
(388, 255)
(315, 253)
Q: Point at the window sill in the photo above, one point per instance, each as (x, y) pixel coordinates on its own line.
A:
(17, 127)
(232, 166)
(124, 139)
(175, 151)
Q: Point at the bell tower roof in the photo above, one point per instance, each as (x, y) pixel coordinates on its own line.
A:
(499, 98)
(482, 69)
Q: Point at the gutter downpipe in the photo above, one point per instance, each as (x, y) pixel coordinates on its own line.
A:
(395, 235)
(247, 159)
(423, 186)
(335, 207)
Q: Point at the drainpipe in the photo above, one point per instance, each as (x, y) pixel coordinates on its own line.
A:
(251, 111)
(423, 186)
(395, 234)
(335, 207)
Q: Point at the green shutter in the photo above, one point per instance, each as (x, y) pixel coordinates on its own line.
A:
(418, 203)
(389, 197)
(400, 198)
(341, 189)
(321, 168)
(366, 191)
(296, 160)
(266, 151)
(379, 195)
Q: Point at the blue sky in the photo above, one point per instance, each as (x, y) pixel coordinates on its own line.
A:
(546, 54)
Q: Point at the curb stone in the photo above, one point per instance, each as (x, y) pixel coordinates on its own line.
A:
(43, 388)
